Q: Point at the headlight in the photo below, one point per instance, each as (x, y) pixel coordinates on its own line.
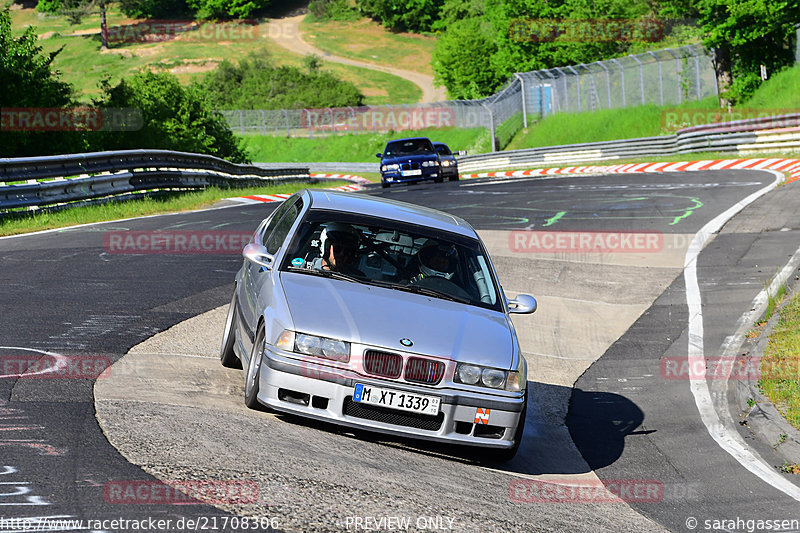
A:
(468, 374)
(312, 345)
(493, 378)
(446, 163)
(386, 168)
(430, 163)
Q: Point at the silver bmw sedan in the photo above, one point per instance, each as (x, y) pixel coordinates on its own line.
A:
(379, 315)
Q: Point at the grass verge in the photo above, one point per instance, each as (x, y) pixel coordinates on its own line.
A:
(38, 221)
(780, 364)
(776, 96)
(603, 125)
(355, 148)
(366, 40)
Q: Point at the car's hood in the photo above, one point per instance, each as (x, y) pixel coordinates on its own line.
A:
(381, 317)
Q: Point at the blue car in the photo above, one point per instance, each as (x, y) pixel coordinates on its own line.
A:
(409, 160)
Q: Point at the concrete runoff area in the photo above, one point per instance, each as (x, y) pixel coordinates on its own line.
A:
(167, 394)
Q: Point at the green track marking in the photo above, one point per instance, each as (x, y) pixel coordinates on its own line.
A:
(554, 219)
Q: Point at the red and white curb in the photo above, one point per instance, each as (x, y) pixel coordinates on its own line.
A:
(792, 166)
(358, 184)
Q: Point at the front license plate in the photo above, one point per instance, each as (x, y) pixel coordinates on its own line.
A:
(394, 399)
(416, 172)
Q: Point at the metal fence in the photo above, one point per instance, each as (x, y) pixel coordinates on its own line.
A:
(663, 77)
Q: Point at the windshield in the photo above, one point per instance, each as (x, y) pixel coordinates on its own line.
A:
(442, 149)
(409, 147)
(394, 255)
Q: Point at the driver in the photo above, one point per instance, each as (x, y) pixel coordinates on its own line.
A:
(338, 246)
(435, 259)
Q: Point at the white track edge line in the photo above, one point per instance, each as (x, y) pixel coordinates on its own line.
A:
(728, 440)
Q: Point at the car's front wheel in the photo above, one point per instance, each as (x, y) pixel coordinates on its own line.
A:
(253, 374)
(227, 355)
(384, 185)
(454, 178)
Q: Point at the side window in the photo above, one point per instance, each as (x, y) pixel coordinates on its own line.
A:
(273, 244)
(265, 230)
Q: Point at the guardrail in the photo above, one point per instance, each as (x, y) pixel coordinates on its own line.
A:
(52, 180)
(331, 167)
(745, 137)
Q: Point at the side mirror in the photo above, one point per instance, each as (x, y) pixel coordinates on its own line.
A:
(257, 254)
(522, 304)
(378, 155)
(461, 152)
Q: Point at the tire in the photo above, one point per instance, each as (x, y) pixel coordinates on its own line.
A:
(509, 453)
(227, 355)
(253, 373)
(438, 180)
(384, 185)
(454, 178)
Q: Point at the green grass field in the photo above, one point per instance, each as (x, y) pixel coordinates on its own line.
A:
(82, 64)
(604, 125)
(777, 95)
(366, 40)
(355, 148)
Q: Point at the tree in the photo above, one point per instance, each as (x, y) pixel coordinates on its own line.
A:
(227, 9)
(157, 9)
(408, 15)
(76, 10)
(462, 60)
(255, 83)
(745, 35)
(29, 81)
(174, 118)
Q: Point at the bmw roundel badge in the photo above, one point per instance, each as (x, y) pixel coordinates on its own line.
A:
(406, 342)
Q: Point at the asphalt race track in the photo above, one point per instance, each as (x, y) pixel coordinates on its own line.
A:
(72, 444)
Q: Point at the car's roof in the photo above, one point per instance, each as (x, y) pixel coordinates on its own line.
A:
(408, 139)
(385, 208)
(439, 144)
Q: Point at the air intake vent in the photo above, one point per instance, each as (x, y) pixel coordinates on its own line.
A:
(387, 365)
(424, 370)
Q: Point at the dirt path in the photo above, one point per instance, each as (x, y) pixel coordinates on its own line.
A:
(286, 33)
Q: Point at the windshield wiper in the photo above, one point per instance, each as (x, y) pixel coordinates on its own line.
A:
(431, 292)
(325, 274)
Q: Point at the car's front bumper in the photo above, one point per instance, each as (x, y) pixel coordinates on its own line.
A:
(313, 390)
(449, 172)
(397, 177)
